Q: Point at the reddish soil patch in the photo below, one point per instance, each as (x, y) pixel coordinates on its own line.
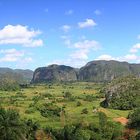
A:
(122, 120)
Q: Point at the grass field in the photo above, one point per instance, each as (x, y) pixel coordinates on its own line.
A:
(28, 101)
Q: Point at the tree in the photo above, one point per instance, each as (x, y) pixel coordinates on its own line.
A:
(78, 103)
(31, 128)
(11, 127)
(82, 134)
(138, 136)
(67, 94)
(109, 130)
(134, 119)
(85, 111)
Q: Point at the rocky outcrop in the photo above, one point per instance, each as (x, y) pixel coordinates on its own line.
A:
(102, 71)
(54, 73)
(95, 71)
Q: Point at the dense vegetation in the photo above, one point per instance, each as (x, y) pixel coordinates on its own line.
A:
(9, 82)
(63, 111)
(13, 128)
(122, 93)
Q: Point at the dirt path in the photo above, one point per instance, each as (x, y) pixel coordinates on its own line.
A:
(122, 120)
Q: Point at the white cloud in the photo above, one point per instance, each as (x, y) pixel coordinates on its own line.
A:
(66, 40)
(69, 62)
(130, 57)
(27, 60)
(97, 12)
(80, 54)
(69, 12)
(135, 48)
(24, 62)
(82, 50)
(105, 57)
(11, 55)
(87, 23)
(66, 28)
(127, 57)
(87, 44)
(20, 35)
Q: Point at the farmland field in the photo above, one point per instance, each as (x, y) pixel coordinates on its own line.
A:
(68, 103)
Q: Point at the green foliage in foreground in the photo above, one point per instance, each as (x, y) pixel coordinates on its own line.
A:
(105, 130)
(134, 122)
(134, 117)
(13, 128)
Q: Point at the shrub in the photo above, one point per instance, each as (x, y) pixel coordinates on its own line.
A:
(85, 111)
(29, 111)
(48, 109)
(134, 118)
(89, 98)
(78, 103)
(67, 94)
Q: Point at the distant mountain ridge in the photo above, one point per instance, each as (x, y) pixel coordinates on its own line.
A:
(19, 75)
(95, 71)
(101, 71)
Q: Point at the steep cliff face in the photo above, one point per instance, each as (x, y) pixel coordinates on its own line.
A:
(96, 71)
(54, 73)
(101, 71)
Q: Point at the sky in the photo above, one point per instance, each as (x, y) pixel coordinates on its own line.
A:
(36, 33)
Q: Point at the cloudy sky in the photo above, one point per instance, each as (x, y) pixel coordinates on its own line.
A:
(36, 33)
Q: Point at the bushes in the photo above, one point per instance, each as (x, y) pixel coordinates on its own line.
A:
(14, 129)
(11, 127)
(9, 87)
(47, 95)
(84, 111)
(31, 128)
(30, 110)
(8, 83)
(49, 109)
(90, 98)
(102, 131)
(78, 103)
(134, 118)
(68, 96)
(122, 93)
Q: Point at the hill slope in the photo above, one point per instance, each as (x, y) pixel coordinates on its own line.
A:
(54, 73)
(96, 71)
(18, 75)
(101, 71)
(122, 93)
